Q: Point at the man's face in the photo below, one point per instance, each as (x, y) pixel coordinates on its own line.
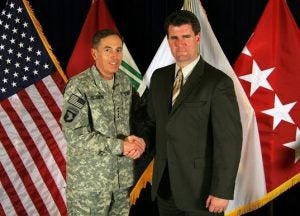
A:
(184, 44)
(108, 55)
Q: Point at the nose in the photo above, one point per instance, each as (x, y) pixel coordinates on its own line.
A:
(180, 42)
(115, 54)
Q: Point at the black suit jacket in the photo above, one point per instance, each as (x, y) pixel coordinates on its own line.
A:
(199, 138)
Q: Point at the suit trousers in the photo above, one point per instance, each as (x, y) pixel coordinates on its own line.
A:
(166, 203)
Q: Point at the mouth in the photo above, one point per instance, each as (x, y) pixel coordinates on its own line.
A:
(181, 51)
(114, 64)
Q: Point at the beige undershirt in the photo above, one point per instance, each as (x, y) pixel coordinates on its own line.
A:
(110, 82)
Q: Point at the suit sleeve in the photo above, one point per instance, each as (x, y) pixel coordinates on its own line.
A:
(227, 135)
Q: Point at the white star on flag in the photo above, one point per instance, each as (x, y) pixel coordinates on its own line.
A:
(258, 78)
(295, 145)
(246, 51)
(280, 112)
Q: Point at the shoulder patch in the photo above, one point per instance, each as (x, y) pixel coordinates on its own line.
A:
(76, 101)
(70, 114)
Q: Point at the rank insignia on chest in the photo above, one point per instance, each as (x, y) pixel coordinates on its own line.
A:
(126, 93)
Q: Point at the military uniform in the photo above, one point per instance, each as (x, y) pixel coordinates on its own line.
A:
(95, 119)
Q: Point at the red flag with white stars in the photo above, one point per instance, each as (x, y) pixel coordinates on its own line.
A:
(269, 71)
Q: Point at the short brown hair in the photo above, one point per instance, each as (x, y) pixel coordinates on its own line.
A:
(181, 17)
(103, 33)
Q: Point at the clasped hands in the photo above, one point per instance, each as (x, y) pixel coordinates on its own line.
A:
(133, 146)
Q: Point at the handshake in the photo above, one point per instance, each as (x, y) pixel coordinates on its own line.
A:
(133, 146)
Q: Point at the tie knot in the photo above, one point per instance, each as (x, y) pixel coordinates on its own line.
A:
(177, 85)
(179, 73)
(179, 78)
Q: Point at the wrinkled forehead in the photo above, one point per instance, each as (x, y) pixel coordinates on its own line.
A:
(180, 29)
(112, 41)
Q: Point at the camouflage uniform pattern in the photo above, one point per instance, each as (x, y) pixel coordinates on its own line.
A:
(99, 203)
(95, 118)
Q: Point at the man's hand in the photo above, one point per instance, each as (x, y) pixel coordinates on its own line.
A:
(133, 146)
(216, 205)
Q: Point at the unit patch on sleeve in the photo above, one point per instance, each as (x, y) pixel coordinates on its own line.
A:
(70, 114)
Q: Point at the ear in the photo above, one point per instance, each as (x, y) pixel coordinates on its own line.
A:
(198, 37)
(94, 53)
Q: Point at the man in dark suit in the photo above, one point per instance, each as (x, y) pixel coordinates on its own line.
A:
(197, 124)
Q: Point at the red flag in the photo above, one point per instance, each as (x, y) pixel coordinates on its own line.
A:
(98, 18)
(269, 71)
(32, 145)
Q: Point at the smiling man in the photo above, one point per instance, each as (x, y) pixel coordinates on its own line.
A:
(96, 120)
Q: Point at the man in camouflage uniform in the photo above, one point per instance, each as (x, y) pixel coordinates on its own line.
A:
(96, 123)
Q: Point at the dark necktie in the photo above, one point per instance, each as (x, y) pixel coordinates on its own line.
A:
(177, 85)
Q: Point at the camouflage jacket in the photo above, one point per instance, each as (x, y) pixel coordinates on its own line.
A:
(95, 118)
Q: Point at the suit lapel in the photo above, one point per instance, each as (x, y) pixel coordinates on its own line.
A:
(162, 88)
(191, 82)
(166, 93)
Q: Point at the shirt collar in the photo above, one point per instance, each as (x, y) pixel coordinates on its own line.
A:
(187, 70)
(99, 79)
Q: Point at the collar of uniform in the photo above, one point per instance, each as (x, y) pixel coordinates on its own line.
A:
(98, 78)
(187, 70)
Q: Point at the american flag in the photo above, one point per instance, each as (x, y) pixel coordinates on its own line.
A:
(32, 145)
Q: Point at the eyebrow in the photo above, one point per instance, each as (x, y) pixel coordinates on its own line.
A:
(185, 36)
(107, 46)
